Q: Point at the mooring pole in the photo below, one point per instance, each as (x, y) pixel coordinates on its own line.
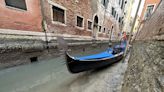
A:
(131, 31)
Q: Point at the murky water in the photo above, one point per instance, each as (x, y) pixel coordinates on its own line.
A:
(52, 76)
(28, 77)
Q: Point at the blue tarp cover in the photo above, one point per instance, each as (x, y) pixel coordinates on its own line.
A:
(104, 54)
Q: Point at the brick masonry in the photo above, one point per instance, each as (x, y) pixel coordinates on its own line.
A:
(13, 18)
(153, 26)
(30, 20)
(83, 8)
(149, 2)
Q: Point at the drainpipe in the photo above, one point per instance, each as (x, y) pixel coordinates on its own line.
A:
(44, 24)
(131, 31)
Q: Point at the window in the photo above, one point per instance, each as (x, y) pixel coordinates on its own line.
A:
(58, 14)
(20, 4)
(99, 28)
(149, 11)
(105, 3)
(108, 31)
(119, 2)
(113, 12)
(79, 22)
(89, 25)
(122, 5)
(116, 16)
(104, 30)
(120, 19)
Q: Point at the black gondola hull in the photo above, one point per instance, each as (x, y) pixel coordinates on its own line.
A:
(76, 66)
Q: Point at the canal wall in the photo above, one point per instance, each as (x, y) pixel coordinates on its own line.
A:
(24, 48)
(145, 72)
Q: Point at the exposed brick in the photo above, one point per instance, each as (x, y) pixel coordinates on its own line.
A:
(11, 18)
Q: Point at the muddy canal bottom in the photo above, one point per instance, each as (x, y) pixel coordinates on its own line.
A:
(52, 76)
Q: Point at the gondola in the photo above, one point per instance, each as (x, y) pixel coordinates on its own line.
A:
(85, 63)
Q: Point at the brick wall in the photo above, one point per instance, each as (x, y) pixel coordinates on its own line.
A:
(149, 2)
(73, 8)
(81, 8)
(153, 26)
(12, 18)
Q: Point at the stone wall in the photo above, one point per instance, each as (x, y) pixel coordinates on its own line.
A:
(145, 72)
(18, 49)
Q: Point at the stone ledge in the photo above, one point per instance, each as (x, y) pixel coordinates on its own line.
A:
(159, 37)
(41, 35)
(10, 44)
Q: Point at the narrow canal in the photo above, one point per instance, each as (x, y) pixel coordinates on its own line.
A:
(51, 75)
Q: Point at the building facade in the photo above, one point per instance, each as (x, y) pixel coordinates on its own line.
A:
(91, 18)
(95, 19)
(20, 15)
(128, 18)
(149, 8)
